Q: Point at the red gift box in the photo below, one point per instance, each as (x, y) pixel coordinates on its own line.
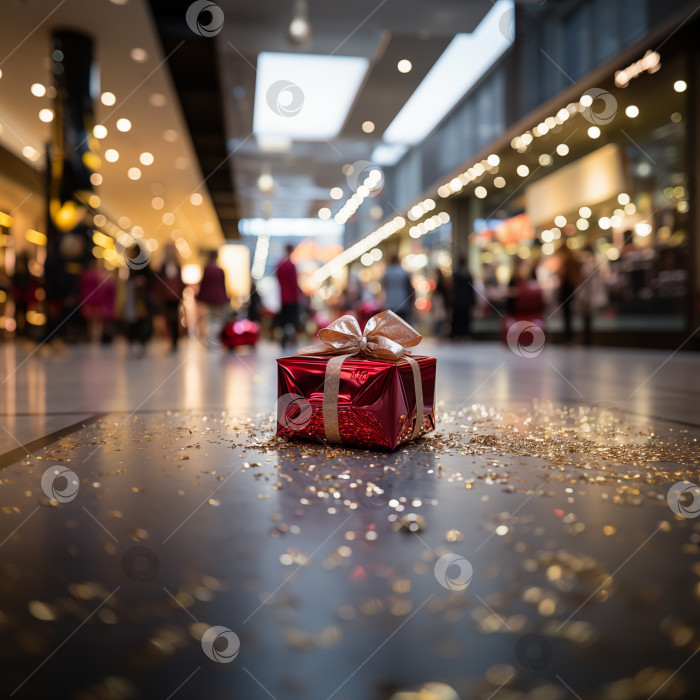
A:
(374, 399)
(238, 332)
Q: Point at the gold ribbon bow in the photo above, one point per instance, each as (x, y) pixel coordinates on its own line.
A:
(386, 336)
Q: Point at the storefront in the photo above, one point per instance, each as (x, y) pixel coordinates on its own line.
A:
(603, 181)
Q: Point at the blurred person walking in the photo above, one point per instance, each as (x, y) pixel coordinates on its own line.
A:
(286, 274)
(171, 288)
(255, 305)
(398, 291)
(462, 300)
(569, 279)
(591, 294)
(137, 303)
(96, 298)
(212, 297)
(441, 302)
(23, 289)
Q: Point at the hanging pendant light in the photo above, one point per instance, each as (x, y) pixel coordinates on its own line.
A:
(299, 31)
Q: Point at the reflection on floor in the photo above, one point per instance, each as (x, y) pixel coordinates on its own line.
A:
(529, 549)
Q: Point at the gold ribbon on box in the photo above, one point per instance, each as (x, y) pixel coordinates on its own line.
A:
(386, 337)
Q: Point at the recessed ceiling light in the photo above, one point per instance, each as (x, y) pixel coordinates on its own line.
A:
(96, 179)
(336, 193)
(680, 86)
(594, 132)
(480, 192)
(99, 131)
(196, 199)
(562, 149)
(124, 221)
(632, 111)
(111, 155)
(134, 173)
(168, 218)
(108, 99)
(404, 66)
(157, 203)
(123, 125)
(523, 170)
(146, 158)
(94, 201)
(30, 153)
(139, 55)
(46, 115)
(324, 213)
(266, 182)
(38, 90)
(499, 182)
(368, 127)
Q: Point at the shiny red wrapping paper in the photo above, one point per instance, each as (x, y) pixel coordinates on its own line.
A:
(376, 400)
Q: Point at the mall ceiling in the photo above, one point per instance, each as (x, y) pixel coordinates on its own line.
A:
(216, 76)
(167, 199)
(190, 100)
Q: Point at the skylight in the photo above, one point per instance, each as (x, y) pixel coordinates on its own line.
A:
(305, 97)
(464, 61)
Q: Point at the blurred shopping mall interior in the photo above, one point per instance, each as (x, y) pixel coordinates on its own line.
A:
(191, 191)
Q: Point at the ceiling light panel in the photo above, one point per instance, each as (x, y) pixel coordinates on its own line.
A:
(305, 97)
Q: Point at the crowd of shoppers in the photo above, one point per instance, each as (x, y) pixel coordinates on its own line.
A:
(127, 300)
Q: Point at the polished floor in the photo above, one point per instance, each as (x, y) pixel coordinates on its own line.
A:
(193, 556)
